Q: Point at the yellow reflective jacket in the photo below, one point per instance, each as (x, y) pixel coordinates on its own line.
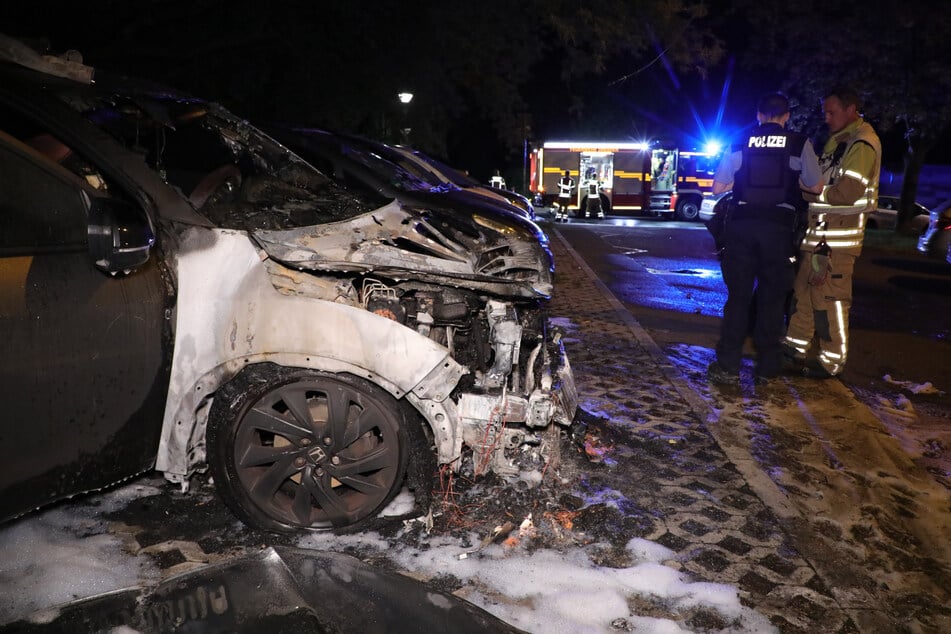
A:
(851, 162)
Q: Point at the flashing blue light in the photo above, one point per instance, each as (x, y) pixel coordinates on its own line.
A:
(713, 147)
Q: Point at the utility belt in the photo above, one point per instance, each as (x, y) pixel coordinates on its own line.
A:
(780, 215)
(791, 219)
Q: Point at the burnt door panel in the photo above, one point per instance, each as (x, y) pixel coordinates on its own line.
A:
(85, 370)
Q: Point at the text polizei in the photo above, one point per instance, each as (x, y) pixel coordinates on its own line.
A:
(770, 140)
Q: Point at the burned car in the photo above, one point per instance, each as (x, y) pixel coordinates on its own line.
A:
(181, 291)
(451, 177)
(415, 172)
(359, 165)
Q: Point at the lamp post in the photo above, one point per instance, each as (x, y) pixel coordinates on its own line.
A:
(405, 98)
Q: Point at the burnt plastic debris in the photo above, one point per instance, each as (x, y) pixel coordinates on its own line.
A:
(277, 589)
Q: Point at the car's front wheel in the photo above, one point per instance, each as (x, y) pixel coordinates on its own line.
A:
(293, 449)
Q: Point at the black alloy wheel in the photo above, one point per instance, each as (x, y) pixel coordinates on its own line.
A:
(294, 449)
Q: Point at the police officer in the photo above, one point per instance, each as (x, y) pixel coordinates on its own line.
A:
(565, 185)
(851, 162)
(766, 172)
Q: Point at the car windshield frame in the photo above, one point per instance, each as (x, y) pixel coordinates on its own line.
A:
(278, 189)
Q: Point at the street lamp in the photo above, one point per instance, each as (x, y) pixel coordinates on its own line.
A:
(405, 98)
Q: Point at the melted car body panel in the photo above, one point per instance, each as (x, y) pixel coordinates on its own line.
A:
(226, 322)
(305, 591)
(258, 312)
(393, 242)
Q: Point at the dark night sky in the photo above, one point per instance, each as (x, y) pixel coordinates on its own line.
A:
(657, 102)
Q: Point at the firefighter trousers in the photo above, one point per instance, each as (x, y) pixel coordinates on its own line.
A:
(756, 256)
(592, 207)
(823, 310)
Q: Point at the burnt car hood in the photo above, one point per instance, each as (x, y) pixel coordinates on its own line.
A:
(486, 253)
(173, 146)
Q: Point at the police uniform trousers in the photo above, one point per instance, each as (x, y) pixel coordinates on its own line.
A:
(823, 310)
(756, 256)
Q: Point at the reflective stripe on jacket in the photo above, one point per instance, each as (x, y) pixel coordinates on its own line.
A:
(843, 226)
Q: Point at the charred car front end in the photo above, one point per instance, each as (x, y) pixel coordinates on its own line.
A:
(442, 310)
(319, 345)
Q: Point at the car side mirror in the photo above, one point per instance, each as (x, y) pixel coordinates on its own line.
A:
(120, 236)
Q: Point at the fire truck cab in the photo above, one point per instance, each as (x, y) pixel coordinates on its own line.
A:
(633, 178)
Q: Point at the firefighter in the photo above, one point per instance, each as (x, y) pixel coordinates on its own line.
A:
(565, 185)
(593, 200)
(766, 173)
(851, 162)
(497, 182)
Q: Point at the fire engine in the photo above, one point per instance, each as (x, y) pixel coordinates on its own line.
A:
(633, 178)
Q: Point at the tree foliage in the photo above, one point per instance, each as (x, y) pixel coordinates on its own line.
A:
(341, 64)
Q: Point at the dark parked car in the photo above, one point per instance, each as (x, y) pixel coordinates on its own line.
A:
(452, 176)
(359, 164)
(885, 215)
(429, 173)
(180, 291)
(936, 240)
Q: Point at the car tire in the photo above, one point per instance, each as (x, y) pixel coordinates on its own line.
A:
(295, 450)
(687, 209)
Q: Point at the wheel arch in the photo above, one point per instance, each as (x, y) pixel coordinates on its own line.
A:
(691, 201)
(182, 447)
(225, 323)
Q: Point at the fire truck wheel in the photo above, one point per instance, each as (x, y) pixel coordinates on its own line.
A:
(687, 210)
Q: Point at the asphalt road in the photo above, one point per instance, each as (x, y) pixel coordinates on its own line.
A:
(666, 274)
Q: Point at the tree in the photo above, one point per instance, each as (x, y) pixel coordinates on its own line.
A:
(340, 65)
(893, 52)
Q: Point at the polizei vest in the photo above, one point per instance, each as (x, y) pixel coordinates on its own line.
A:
(765, 179)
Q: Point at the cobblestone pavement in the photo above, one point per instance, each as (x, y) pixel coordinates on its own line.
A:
(793, 494)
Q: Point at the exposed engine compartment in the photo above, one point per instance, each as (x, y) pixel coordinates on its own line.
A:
(518, 379)
(508, 351)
